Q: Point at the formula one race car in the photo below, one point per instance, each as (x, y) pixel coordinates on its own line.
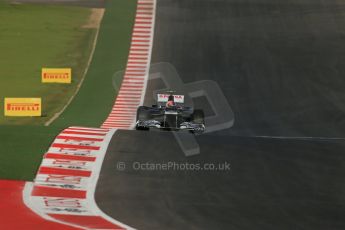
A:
(170, 114)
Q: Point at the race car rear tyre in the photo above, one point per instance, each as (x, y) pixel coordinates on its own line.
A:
(198, 116)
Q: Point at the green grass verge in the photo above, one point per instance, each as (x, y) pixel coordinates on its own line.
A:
(36, 36)
(22, 147)
(21, 150)
(95, 99)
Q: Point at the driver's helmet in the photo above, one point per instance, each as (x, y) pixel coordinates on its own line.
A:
(171, 98)
(170, 102)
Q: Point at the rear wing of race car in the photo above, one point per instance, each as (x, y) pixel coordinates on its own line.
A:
(163, 98)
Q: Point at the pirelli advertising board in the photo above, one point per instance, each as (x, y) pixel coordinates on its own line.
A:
(23, 107)
(53, 75)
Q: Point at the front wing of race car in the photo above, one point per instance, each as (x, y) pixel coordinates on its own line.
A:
(190, 126)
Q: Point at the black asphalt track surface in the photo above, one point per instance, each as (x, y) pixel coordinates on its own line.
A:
(280, 65)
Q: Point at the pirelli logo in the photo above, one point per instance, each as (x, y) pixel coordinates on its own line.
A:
(53, 75)
(23, 107)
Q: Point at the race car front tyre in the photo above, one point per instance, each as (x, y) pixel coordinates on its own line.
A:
(142, 115)
(198, 116)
